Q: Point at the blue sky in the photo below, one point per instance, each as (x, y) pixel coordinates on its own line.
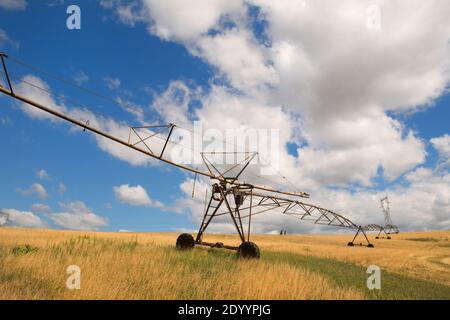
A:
(146, 62)
(103, 48)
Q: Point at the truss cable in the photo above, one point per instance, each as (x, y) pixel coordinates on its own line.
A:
(59, 96)
(109, 99)
(89, 91)
(86, 107)
(259, 156)
(73, 101)
(71, 83)
(283, 176)
(61, 79)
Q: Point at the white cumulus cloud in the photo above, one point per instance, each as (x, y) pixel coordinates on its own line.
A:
(135, 195)
(112, 83)
(442, 145)
(41, 207)
(13, 4)
(77, 216)
(35, 189)
(42, 174)
(25, 219)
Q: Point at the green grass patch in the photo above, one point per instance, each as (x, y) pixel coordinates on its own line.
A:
(24, 249)
(349, 275)
(343, 274)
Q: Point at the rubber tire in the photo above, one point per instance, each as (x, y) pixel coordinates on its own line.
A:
(249, 250)
(377, 237)
(370, 245)
(350, 244)
(185, 241)
(389, 238)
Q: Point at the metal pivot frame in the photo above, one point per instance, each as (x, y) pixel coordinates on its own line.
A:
(219, 198)
(360, 230)
(219, 205)
(143, 141)
(246, 196)
(391, 229)
(386, 230)
(381, 230)
(215, 171)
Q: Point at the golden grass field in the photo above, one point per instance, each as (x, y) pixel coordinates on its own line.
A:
(414, 265)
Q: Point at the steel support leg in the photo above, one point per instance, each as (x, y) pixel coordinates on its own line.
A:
(206, 220)
(209, 215)
(240, 232)
(360, 229)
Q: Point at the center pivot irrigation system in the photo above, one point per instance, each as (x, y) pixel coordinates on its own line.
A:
(228, 197)
(388, 228)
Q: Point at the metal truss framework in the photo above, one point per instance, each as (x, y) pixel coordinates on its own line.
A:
(239, 200)
(388, 228)
(152, 132)
(383, 231)
(242, 203)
